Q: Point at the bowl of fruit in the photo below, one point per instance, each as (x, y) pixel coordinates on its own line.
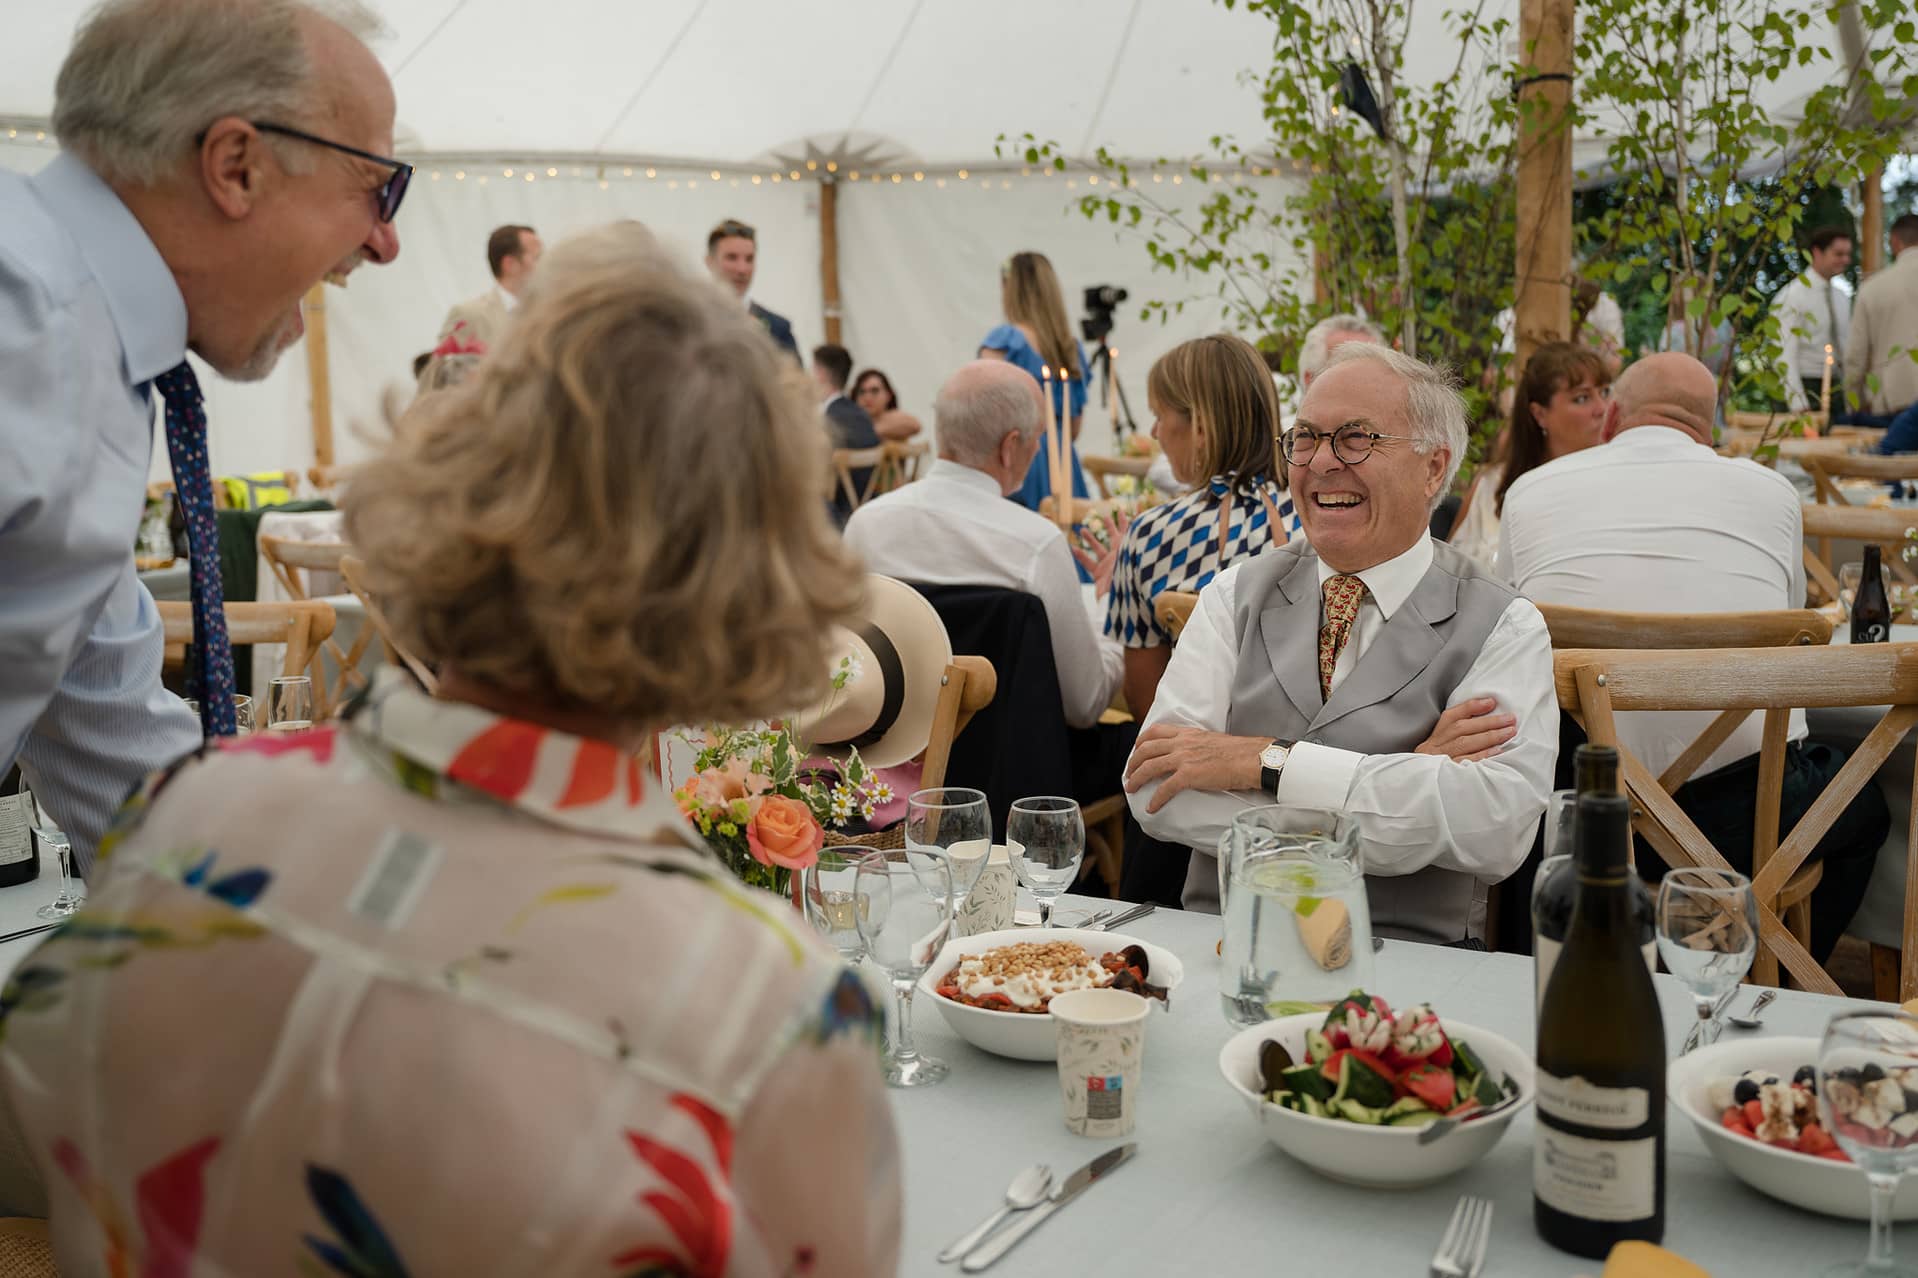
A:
(1755, 1104)
(1370, 1096)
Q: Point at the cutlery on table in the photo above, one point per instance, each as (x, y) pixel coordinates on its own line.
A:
(1098, 920)
(1441, 1127)
(1461, 1253)
(1753, 1019)
(1028, 1189)
(1698, 1030)
(1132, 915)
(982, 1256)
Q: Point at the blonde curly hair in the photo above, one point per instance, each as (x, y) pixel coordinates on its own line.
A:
(624, 509)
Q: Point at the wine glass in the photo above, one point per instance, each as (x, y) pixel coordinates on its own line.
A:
(290, 704)
(70, 897)
(1559, 815)
(902, 906)
(956, 821)
(1046, 839)
(1865, 1060)
(828, 887)
(1707, 935)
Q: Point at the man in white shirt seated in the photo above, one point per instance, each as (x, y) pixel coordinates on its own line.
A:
(1367, 669)
(1655, 521)
(954, 527)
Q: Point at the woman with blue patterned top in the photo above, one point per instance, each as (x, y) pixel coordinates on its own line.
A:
(1215, 413)
(1037, 335)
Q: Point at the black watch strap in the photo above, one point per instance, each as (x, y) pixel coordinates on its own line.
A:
(1269, 777)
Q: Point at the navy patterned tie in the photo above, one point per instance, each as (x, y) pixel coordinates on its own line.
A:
(211, 678)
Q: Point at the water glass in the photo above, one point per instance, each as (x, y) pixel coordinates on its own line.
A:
(71, 896)
(1868, 1062)
(242, 715)
(290, 704)
(1557, 831)
(828, 888)
(1046, 838)
(1707, 935)
(1298, 925)
(956, 821)
(902, 907)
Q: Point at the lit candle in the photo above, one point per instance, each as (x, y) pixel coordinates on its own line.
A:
(1112, 389)
(1051, 445)
(1824, 387)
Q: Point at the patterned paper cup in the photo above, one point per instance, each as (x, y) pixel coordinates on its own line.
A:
(1101, 1046)
(989, 906)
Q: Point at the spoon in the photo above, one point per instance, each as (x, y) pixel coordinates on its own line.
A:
(1028, 1189)
(1752, 1019)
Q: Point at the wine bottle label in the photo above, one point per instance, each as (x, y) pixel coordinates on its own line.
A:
(1545, 955)
(16, 833)
(1575, 1101)
(1609, 1180)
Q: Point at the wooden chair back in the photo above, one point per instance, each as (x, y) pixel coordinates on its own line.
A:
(967, 688)
(1594, 685)
(1827, 468)
(1595, 628)
(1173, 609)
(326, 479)
(846, 460)
(1775, 421)
(302, 626)
(290, 561)
(353, 572)
(1834, 521)
(1100, 469)
(902, 463)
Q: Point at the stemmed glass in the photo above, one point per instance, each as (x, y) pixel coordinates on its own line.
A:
(1557, 831)
(902, 906)
(1708, 936)
(956, 821)
(829, 888)
(1866, 1059)
(1046, 840)
(290, 707)
(70, 898)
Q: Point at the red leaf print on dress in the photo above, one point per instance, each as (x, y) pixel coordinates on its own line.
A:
(699, 1215)
(500, 760)
(170, 1198)
(317, 742)
(595, 775)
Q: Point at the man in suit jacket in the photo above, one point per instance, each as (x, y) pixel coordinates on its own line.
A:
(1880, 374)
(1371, 672)
(846, 423)
(512, 252)
(731, 254)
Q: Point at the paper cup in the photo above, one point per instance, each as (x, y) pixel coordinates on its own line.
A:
(989, 907)
(1101, 1046)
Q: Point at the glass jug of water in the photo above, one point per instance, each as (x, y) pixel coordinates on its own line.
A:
(1298, 927)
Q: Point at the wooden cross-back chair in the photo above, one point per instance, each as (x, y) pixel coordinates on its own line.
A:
(327, 478)
(1174, 608)
(1827, 468)
(846, 460)
(353, 573)
(302, 626)
(1829, 522)
(900, 464)
(1595, 628)
(1100, 469)
(1594, 685)
(291, 561)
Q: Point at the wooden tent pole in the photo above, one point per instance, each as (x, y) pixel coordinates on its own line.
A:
(318, 376)
(1543, 305)
(829, 254)
(1871, 227)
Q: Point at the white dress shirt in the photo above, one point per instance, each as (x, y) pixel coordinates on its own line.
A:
(1806, 309)
(506, 299)
(89, 315)
(1413, 810)
(1656, 522)
(954, 528)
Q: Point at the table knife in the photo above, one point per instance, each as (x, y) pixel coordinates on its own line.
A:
(999, 1244)
(1132, 915)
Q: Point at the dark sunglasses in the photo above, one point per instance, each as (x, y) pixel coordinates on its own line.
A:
(390, 194)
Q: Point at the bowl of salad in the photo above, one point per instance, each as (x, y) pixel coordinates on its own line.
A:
(1357, 1093)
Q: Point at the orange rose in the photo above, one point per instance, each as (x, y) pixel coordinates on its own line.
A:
(783, 833)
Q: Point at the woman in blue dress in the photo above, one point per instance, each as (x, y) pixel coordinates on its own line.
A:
(1038, 335)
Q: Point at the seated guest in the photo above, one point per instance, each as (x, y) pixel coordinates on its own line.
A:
(1363, 669)
(872, 391)
(847, 425)
(433, 990)
(512, 253)
(1320, 341)
(1655, 521)
(1036, 336)
(1559, 407)
(954, 527)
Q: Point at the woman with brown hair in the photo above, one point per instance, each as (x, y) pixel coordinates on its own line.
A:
(1558, 407)
(1037, 335)
(450, 986)
(872, 390)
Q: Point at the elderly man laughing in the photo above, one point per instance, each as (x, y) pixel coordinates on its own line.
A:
(1371, 671)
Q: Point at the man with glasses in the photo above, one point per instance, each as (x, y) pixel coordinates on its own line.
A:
(732, 254)
(1367, 670)
(220, 159)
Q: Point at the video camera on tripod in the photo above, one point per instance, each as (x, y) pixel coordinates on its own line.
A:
(1101, 301)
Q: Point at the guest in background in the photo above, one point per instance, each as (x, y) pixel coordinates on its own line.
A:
(170, 222)
(732, 255)
(1037, 335)
(1320, 341)
(512, 254)
(1598, 323)
(1881, 375)
(1560, 407)
(1814, 320)
(1655, 521)
(872, 391)
(847, 425)
(482, 903)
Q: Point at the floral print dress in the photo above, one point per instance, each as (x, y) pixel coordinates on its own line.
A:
(435, 992)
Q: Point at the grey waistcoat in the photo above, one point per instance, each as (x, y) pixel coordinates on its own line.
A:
(1388, 703)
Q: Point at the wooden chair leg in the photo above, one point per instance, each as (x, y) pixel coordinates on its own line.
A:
(1798, 922)
(1885, 964)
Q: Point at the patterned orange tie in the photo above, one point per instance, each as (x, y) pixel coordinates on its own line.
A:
(1342, 595)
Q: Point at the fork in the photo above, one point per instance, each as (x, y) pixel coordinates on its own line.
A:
(1461, 1253)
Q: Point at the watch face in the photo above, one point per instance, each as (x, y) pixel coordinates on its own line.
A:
(1273, 756)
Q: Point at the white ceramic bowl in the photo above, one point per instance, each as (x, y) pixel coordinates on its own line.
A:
(1026, 1036)
(1815, 1184)
(1375, 1157)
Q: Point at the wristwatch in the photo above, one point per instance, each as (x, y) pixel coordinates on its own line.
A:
(1271, 763)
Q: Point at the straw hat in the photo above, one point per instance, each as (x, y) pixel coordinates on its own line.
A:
(899, 656)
